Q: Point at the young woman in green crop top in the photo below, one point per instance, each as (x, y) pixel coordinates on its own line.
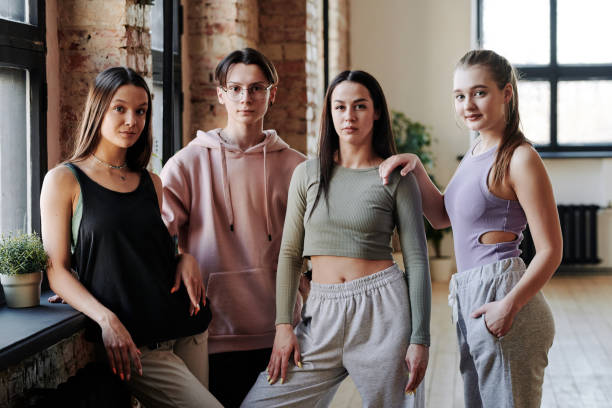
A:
(364, 316)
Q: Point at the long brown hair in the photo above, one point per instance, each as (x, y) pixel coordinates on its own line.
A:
(99, 98)
(503, 73)
(383, 142)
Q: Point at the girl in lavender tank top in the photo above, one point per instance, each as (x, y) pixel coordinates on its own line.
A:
(504, 325)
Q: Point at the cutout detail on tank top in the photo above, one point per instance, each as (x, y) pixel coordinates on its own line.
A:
(508, 234)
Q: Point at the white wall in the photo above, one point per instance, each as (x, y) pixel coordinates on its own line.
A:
(411, 47)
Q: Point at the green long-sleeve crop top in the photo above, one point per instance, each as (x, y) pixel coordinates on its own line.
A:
(357, 220)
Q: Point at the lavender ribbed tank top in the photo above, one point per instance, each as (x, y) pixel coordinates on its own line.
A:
(473, 210)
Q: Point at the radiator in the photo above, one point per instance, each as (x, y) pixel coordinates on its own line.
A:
(579, 230)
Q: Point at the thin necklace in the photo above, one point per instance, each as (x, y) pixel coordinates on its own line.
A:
(112, 166)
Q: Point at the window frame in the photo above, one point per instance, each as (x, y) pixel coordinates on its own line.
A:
(555, 73)
(23, 46)
(170, 79)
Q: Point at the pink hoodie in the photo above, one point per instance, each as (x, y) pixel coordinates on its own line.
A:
(227, 207)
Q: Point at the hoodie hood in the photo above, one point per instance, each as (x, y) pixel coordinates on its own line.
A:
(212, 140)
(271, 143)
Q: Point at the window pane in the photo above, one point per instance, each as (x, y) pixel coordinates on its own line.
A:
(584, 112)
(157, 25)
(13, 10)
(14, 151)
(518, 30)
(582, 27)
(158, 127)
(534, 108)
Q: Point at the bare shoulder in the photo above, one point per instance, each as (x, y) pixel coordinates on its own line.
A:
(61, 178)
(524, 155)
(526, 164)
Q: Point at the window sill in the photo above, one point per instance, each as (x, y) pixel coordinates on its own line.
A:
(597, 154)
(28, 331)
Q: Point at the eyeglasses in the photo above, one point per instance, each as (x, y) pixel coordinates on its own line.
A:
(257, 91)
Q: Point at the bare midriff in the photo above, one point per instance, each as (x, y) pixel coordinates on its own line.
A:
(340, 269)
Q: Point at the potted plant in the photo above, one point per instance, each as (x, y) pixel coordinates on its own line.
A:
(414, 137)
(22, 260)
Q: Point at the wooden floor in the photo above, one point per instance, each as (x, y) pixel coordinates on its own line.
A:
(579, 373)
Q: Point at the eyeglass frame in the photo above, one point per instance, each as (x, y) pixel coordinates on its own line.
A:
(247, 89)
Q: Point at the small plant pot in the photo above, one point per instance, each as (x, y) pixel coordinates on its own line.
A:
(441, 268)
(22, 290)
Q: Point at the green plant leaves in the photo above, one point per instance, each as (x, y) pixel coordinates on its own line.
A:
(22, 253)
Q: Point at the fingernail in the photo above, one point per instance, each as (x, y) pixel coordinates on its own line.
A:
(197, 307)
(114, 371)
(172, 290)
(121, 376)
(300, 364)
(268, 378)
(282, 380)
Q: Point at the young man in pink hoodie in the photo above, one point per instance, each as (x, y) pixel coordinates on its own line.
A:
(225, 197)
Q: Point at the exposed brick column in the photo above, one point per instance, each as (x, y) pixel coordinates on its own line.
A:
(94, 35)
(339, 37)
(315, 85)
(282, 38)
(214, 28)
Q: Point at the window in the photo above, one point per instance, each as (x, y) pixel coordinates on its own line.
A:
(166, 29)
(23, 156)
(561, 50)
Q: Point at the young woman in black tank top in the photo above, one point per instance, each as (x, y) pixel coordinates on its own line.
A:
(148, 306)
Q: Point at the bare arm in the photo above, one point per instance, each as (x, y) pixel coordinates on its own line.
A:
(530, 182)
(432, 198)
(59, 190)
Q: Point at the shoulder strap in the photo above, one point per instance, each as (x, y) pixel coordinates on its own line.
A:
(78, 212)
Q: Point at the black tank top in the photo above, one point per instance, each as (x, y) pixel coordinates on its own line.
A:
(125, 257)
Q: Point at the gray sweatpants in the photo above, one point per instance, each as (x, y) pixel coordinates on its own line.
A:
(507, 371)
(359, 328)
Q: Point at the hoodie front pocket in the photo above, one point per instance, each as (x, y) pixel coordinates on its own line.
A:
(242, 302)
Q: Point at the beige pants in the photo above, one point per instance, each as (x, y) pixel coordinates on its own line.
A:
(175, 374)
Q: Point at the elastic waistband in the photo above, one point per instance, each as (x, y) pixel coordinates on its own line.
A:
(357, 286)
(480, 273)
(489, 271)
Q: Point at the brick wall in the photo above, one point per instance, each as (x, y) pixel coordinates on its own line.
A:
(339, 37)
(47, 369)
(212, 30)
(278, 28)
(315, 85)
(92, 36)
(282, 38)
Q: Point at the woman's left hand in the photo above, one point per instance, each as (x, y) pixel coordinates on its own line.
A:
(417, 358)
(188, 271)
(498, 317)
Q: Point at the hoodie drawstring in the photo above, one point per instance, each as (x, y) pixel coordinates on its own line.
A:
(266, 193)
(226, 189)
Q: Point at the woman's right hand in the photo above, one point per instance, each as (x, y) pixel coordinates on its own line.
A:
(285, 343)
(408, 161)
(120, 347)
